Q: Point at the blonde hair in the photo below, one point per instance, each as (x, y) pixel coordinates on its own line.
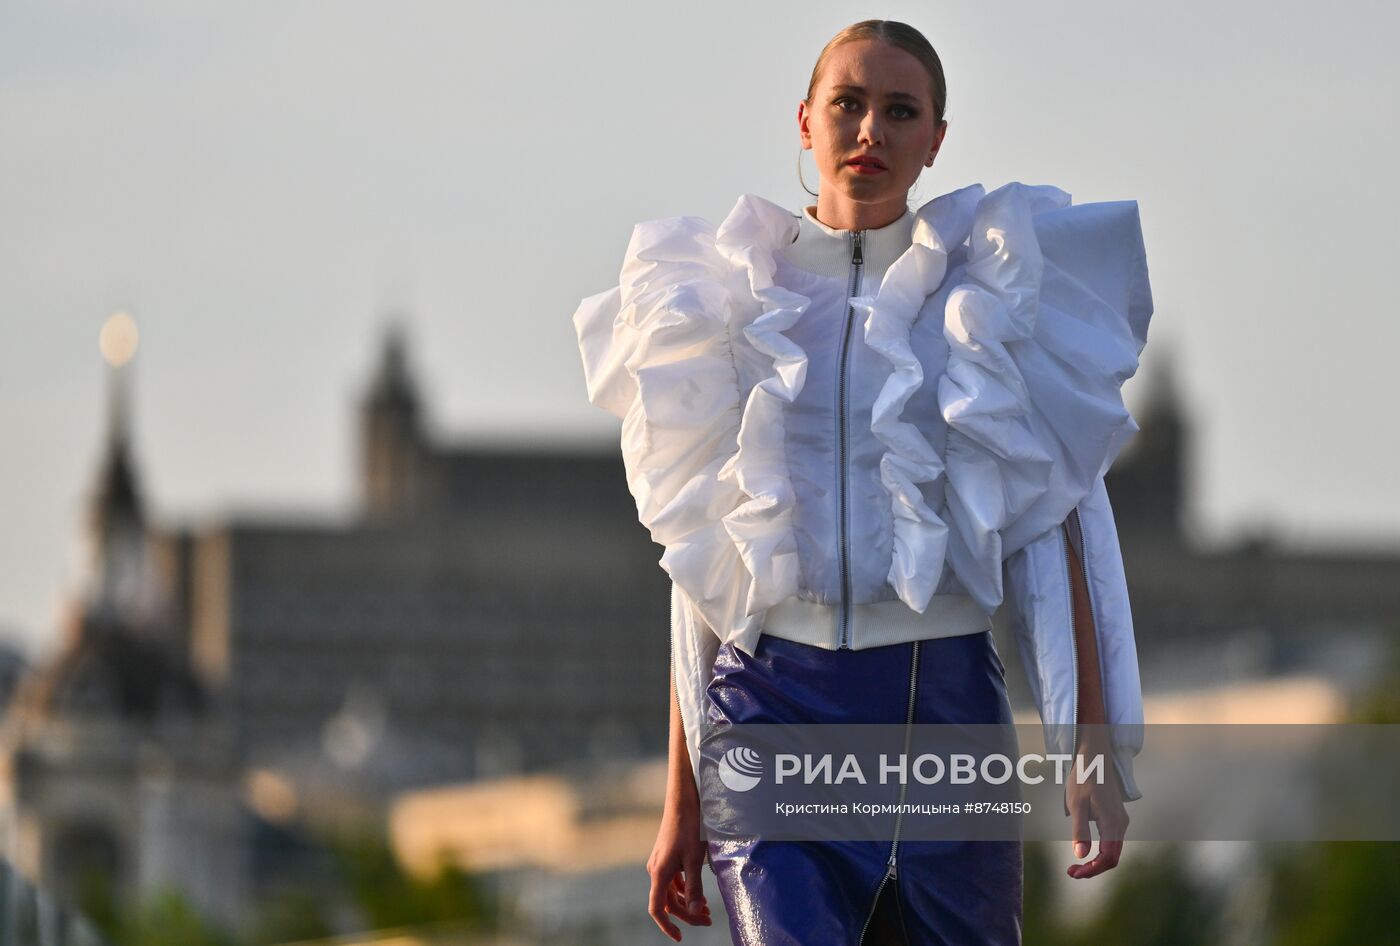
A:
(900, 35)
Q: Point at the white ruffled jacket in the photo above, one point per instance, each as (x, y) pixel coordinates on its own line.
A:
(982, 455)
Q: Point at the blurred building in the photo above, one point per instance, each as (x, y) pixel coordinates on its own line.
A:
(566, 850)
(116, 769)
(1256, 608)
(488, 612)
(13, 666)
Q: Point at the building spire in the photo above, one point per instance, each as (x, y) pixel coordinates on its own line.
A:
(118, 494)
(393, 387)
(394, 454)
(116, 584)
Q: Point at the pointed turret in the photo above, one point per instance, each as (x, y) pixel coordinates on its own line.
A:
(117, 586)
(391, 441)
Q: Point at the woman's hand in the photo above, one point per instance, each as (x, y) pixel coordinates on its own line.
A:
(676, 860)
(680, 849)
(1103, 804)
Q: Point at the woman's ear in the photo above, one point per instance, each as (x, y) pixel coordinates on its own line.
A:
(938, 134)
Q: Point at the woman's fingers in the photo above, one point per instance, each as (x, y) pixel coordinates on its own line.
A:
(1108, 813)
(1109, 853)
(678, 904)
(1081, 840)
(694, 886)
(674, 868)
(656, 904)
(669, 898)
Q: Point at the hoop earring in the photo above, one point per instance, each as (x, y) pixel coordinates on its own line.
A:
(799, 173)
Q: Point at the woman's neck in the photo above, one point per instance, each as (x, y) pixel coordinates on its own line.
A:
(838, 213)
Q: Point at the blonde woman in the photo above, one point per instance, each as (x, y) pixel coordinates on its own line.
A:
(857, 431)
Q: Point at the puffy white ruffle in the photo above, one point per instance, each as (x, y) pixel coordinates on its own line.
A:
(1043, 331)
(705, 461)
(1044, 326)
(921, 537)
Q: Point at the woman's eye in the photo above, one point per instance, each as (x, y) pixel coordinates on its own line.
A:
(847, 100)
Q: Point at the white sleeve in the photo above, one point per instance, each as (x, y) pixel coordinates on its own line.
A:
(693, 649)
(1040, 608)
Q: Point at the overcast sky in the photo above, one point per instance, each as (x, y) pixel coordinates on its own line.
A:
(259, 184)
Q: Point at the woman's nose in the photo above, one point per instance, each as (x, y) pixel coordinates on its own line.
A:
(870, 130)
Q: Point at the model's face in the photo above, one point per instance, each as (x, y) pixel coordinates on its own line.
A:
(873, 99)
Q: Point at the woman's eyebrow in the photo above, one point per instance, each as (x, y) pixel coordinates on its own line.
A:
(860, 90)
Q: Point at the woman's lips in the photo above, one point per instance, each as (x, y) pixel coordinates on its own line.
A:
(862, 168)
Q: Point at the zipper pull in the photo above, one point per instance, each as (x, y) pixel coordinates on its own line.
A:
(856, 257)
(893, 871)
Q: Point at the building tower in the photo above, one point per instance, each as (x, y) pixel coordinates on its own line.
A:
(118, 774)
(393, 454)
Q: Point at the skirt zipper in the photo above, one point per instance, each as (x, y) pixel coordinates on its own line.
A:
(842, 447)
(892, 865)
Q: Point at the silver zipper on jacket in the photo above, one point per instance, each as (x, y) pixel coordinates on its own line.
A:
(842, 447)
(892, 865)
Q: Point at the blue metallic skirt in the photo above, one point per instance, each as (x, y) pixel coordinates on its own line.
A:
(805, 893)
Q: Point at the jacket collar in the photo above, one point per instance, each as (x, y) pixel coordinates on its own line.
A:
(758, 224)
(827, 251)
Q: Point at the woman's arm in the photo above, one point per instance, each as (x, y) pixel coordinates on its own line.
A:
(680, 848)
(1091, 703)
(680, 777)
(1100, 803)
